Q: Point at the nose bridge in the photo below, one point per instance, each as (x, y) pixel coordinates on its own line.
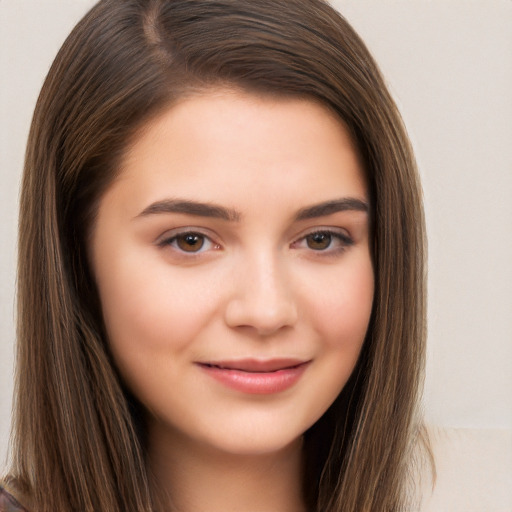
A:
(263, 297)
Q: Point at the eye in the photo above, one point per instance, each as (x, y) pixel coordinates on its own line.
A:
(189, 242)
(319, 241)
(324, 241)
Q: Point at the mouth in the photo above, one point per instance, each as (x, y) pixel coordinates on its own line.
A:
(256, 366)
(253, 376)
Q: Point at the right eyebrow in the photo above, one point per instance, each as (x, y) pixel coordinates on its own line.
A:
(191, 208)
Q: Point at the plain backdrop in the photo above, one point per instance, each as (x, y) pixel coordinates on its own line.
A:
(449, 66)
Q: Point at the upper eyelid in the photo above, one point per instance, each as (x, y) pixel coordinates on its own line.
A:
(342, 232)
(175, 232)
(169, 241)
(344, 241)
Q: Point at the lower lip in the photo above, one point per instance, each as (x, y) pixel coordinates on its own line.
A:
(257, 383)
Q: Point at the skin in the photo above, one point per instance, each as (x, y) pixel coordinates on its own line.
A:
(261, 283)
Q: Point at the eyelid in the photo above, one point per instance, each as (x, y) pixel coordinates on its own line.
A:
(169, 236)
(340, 234)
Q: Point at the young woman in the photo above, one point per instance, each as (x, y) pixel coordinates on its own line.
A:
(221, 268)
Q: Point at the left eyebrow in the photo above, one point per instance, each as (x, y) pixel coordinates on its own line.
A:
(334, 206)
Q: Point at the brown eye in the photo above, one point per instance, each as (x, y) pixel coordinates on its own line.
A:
(319, 241)
(190, 242)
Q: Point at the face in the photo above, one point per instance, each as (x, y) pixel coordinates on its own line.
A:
(233, 266)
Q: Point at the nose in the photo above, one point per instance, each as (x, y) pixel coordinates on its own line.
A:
(262, 299)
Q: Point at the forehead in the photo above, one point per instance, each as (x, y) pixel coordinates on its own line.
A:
(221, 144)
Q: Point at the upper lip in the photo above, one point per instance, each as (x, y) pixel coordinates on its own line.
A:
(256, 365)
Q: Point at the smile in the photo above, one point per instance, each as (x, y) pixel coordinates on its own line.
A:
(256, 377)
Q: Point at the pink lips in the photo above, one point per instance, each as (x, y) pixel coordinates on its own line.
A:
(256, 377)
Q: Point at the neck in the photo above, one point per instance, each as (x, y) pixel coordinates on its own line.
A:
(189, 477)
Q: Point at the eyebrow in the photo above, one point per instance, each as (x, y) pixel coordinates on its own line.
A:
(330, 207)
(191, 208)
(220, 212)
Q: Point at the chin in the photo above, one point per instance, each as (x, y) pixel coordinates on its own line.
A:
(256, 445)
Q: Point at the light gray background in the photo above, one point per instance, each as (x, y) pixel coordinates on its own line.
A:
(449, 66)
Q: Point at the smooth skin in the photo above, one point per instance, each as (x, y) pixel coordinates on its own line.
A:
(238, 229)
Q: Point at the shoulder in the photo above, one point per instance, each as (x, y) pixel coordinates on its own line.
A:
(9, 498)
(8, 503)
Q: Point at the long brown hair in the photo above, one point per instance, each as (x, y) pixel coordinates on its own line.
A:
(78, 444)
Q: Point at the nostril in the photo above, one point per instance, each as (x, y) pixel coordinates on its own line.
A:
(263, 317)
(262, 298)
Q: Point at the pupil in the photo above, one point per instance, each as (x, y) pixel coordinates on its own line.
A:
(190, 243)
(319, 241)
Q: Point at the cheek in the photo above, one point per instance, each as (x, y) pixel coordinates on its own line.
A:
(343, 317)
(150, 312)
(340, 316)
(341, 311)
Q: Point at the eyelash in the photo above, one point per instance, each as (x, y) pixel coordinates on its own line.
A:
(344, 241)
(174, 240)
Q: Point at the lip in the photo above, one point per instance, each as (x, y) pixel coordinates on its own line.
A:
(254, 376)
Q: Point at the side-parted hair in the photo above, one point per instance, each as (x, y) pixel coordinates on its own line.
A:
(78, 443)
